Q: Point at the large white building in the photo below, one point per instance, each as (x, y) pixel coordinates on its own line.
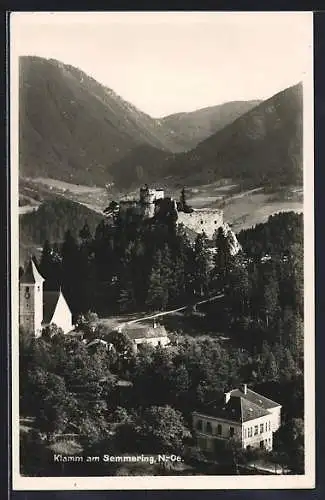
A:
(38, 308)
(243, 414)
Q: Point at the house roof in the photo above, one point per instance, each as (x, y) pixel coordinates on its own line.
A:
(250, 411)
(31, 274)
(255, 398)
(97, 342)
(50, 300)
(146, 332)
(241, 407)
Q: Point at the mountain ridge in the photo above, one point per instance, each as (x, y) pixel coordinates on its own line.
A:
(67, 119)
(264, 145)
(203, 122)
(72, 128)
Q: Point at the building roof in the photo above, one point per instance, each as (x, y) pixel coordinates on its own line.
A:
(98, 342)
(250, 411)
(241, 407)
(31, 274)
(146, 332)
(50, 300)
(255, 398)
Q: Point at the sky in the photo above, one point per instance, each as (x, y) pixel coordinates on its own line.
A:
(167, 62)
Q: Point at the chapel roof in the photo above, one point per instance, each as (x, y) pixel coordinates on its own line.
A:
(50, 300)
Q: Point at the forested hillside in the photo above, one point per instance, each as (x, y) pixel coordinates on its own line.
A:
(263, 147)
(72, 128)
(137, 266)
(53, 218)
(195, 126)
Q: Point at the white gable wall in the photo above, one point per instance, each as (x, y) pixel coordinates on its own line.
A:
(276, 417)
(257, 430)
(62, 316)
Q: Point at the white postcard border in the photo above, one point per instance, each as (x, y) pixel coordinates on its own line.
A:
(172, 482)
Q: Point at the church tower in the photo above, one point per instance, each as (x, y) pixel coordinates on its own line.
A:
(31, 299)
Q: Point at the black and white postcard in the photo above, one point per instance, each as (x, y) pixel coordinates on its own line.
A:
(162, 251)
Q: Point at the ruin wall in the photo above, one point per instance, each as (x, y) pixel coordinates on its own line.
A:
(207, 220)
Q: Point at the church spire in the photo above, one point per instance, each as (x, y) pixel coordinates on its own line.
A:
(31, 274)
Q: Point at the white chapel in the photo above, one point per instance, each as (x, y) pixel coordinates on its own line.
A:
(38, 308)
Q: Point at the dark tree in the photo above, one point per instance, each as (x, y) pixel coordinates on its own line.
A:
(201, 263)
(157, 298)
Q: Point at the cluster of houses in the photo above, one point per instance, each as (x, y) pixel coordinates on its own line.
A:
(242, 413)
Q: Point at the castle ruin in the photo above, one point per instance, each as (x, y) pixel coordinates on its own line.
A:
(151, 201)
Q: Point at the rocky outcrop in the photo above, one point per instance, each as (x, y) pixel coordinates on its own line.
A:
(233, 244)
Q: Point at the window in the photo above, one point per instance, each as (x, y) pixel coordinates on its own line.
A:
(38, 288)
(255, 430)
(209, 428)
(261, 444)
(261, 428)
(27, 289)
(269, 425)
(231, 432)
(250, 432)
(219, 429)
(199, 425)
(245, 433)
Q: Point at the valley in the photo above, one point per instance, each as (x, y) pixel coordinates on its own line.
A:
(161, 251)
(75, 130)
(242, 209)
(81, 142)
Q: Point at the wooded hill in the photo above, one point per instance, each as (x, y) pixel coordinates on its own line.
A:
(53, 218)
